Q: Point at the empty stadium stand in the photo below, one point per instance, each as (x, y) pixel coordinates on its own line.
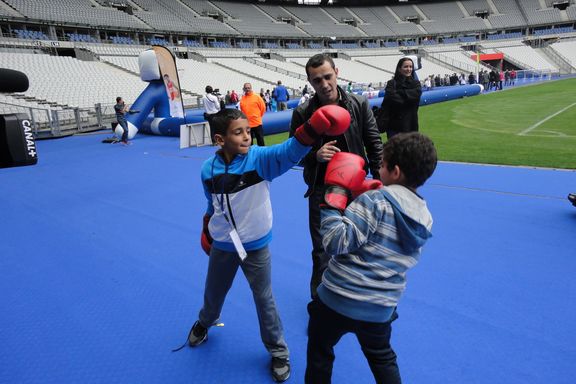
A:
(63, 44)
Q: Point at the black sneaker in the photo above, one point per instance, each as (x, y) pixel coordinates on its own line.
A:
(280, 369)
(572, 198)
(198, 334)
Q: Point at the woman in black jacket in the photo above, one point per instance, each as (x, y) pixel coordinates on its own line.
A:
(402, 99)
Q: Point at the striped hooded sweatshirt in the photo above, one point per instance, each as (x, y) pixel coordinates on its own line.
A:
(373, 244)
(241, 191)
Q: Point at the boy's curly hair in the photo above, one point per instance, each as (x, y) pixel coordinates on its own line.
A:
(414, 154)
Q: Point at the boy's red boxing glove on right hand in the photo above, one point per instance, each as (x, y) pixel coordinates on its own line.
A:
(205, 238)
(344, 174)
(330, 120)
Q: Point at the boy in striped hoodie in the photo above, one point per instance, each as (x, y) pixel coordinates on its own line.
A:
(373, 242)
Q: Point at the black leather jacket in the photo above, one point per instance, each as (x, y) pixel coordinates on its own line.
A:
(362, 138)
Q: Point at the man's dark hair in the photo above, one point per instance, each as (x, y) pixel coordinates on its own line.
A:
(414, 154)
(317, 60)
(221, 120)
(118, 99)
(209, 89)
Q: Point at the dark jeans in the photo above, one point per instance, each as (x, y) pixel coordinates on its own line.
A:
(319, 258)
(326, 327)
(124, 126)
(258, 133)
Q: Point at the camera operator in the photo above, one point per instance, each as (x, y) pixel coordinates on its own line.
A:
(211, 107)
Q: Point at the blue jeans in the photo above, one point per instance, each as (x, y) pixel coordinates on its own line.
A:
(256, 267)
(326, 327)
(124, 126)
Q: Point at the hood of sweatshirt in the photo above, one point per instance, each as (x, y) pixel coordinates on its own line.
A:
(413, 219)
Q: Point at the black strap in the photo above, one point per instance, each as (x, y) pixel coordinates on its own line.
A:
(186, 342)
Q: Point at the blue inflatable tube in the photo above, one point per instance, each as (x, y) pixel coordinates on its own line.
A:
(278, 122)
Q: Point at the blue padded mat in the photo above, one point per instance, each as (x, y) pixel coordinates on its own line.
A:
(102, 274)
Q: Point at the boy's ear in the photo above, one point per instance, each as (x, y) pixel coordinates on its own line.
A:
(397, 175)
(219, 139)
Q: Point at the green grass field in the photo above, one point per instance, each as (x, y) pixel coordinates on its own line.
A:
(531, 126)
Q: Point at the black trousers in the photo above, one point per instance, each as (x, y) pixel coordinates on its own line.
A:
(258, 133)
(208, 118)
(319, 258)
(326, 327)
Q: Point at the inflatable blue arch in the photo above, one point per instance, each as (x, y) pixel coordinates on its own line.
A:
(152, 112)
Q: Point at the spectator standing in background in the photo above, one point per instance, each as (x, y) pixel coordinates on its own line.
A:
(281, 95)
(262, 95)
(402, 99)
(427, 84)
(268, 100)
(211, 107)
(234, 97)
(304, 98)
(252, 105)
(120, 109)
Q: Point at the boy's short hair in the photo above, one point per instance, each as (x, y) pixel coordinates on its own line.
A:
(118, 99)
(317, 60)
(221, 120)
(414, 154)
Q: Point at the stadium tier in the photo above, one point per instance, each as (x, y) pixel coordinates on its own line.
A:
(82, 53)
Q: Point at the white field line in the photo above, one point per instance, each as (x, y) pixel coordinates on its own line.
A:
(527, 130)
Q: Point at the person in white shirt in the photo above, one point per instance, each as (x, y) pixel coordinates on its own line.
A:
(304, 98)
(211, 107)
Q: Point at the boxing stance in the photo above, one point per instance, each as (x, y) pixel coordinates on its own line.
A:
(238, 222)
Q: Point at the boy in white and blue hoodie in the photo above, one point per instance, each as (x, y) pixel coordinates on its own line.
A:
(373, 242)
(238, 221)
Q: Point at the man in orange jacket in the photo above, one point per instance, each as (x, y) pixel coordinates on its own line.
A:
(253, 106)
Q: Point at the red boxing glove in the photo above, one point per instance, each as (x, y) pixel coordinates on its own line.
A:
(366, 186)
(330, 120)
(205, 238)
(344, 174)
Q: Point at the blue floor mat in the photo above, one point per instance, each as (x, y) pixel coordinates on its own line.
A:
(103, 274)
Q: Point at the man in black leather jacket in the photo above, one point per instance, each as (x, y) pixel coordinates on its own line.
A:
(362, 138)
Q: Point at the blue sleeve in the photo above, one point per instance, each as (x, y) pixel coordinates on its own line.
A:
(273, 161)
(345, 233)
(204, 176)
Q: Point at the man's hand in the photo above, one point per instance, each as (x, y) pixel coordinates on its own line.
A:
(327, 151)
